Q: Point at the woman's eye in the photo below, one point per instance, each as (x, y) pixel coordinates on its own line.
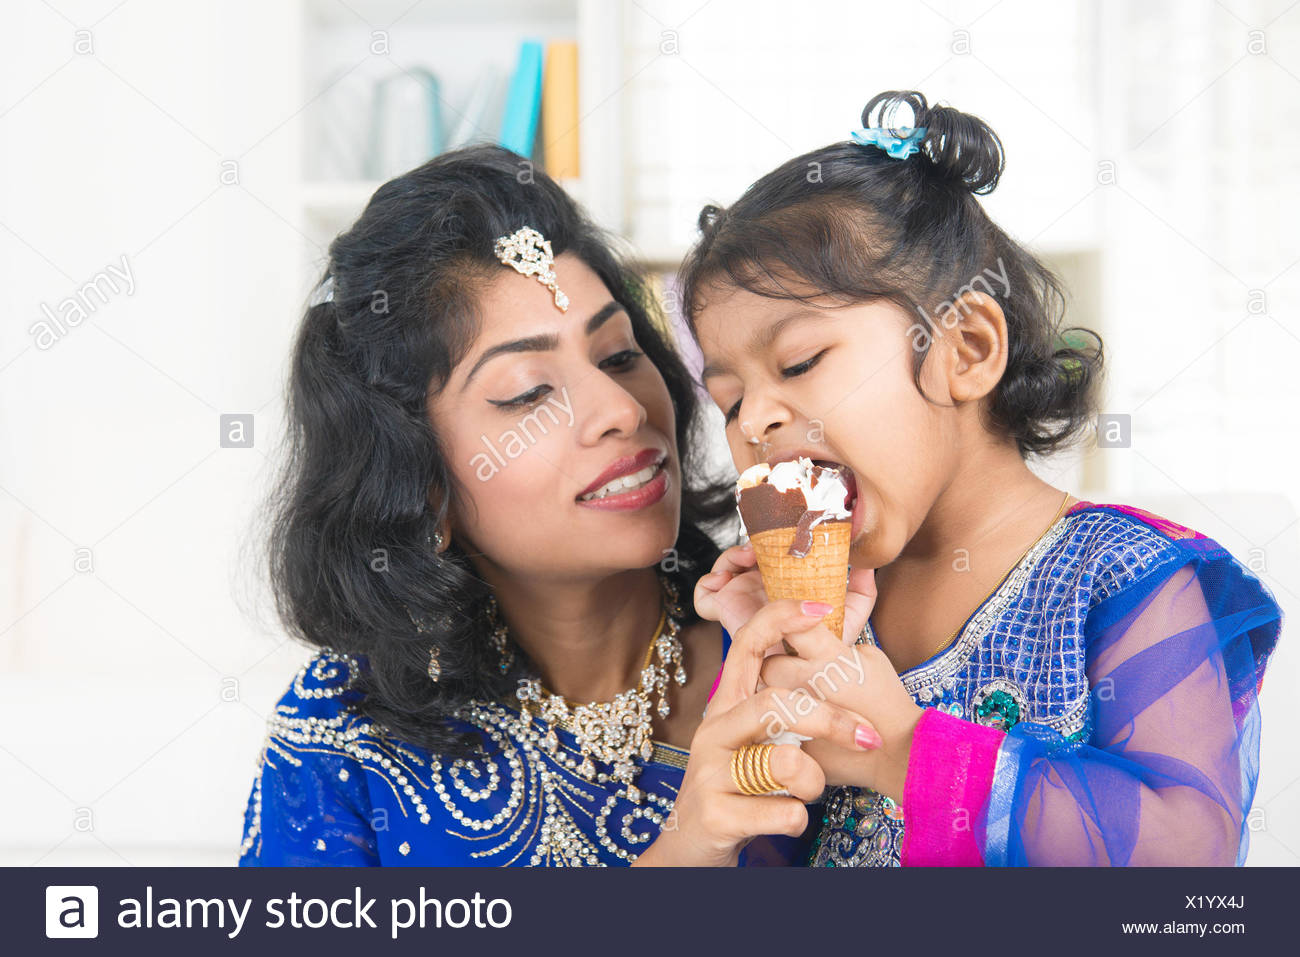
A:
(733, 412)
(621, 360)
(802, 367)
(519, 401)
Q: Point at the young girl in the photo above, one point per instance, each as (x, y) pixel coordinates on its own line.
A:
(1055, 681)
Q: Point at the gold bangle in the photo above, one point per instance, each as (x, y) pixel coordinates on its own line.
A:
(747, 770)
(745, 761)
(770, 783)
(739, 772)
(751, 770)
(736, 774)
(765, 768)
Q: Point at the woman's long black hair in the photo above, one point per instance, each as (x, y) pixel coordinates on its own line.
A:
(350, 517)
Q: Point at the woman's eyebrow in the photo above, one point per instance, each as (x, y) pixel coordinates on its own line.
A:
(541, 343)
(610, 308)
(764, 338)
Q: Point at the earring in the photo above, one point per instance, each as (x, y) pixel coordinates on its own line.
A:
(434, 668)
(500, 636)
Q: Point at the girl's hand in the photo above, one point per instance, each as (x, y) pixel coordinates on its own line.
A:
(711, 820)
(733, 592)
(860, 679)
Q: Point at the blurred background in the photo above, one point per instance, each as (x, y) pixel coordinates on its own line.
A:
(171, 175)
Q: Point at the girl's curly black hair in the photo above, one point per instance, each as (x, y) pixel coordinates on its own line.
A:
(857, 225)
(350, 515)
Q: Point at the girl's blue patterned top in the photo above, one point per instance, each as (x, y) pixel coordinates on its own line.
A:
(1021, 663)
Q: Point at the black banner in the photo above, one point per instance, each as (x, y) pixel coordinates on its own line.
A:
(217, 910)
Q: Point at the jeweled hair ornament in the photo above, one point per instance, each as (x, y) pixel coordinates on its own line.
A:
(897, 144)
(529, 254)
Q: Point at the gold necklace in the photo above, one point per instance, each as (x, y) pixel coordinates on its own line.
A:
(614, 732)
(953, 637)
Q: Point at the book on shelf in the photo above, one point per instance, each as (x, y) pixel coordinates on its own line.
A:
(484, 105)
(519, 126)
(560, 119)
(406, 123)
(399, 123)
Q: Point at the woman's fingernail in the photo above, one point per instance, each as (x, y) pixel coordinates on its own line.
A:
(815, 609)
(866, 738)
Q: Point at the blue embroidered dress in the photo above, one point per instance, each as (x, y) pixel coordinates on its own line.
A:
(1098, 708)
(330, 790)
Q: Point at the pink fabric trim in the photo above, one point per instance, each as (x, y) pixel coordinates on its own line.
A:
(949, 778)
(1159, 523)
(714, 689)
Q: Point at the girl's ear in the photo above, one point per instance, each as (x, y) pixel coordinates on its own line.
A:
(975, 344)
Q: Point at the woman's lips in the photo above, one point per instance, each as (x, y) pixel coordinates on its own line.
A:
(623, 467)
(633, 499)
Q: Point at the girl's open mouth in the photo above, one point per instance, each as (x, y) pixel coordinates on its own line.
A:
(851, 499)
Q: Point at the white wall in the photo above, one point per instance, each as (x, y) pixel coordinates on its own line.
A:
(110, 680)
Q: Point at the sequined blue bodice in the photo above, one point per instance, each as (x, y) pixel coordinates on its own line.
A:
(332, 788)
(1020, 657)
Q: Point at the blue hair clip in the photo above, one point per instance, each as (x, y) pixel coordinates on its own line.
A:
(897, 147)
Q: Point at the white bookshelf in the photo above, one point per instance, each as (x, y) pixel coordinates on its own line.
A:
(459, 43)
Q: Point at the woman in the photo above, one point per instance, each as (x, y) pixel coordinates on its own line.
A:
(487, 525)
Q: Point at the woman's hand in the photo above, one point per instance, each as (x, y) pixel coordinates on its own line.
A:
(711, 820)
(860, 679)
(733, 592)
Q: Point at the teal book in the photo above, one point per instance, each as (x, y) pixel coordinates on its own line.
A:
(524, 101)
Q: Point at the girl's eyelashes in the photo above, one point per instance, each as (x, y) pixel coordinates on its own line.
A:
(788, 373)
(525, 399)
(802, 367)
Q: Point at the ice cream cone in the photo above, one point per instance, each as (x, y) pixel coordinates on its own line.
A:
(822, 575)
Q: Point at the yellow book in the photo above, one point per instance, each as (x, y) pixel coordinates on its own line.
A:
(560, 110)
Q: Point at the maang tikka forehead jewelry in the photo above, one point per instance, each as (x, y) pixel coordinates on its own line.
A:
(529, 254)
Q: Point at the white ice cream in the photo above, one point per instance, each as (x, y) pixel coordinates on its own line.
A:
(828, 495)
(753, 476)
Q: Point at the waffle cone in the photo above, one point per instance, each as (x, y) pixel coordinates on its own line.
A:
(823, 575)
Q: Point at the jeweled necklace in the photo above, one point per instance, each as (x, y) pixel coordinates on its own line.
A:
(615, 732)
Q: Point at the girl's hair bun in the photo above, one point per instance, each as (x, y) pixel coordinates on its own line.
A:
(960, 147)
(708, 218)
